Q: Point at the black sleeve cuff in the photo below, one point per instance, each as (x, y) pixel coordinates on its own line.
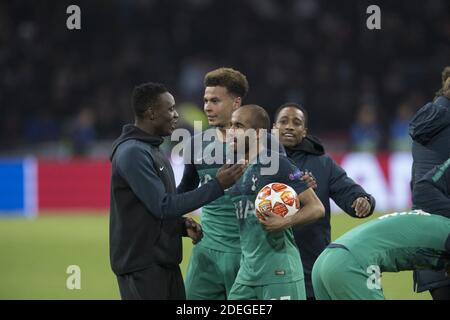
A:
(371, 201)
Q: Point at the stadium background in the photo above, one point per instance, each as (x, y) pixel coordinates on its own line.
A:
(64, 96)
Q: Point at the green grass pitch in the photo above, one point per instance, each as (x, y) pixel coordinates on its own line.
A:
(35, 254)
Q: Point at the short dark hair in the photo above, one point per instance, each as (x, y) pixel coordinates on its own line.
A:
(145, 96)
(235, 82)
(260, 117)
(292, 105)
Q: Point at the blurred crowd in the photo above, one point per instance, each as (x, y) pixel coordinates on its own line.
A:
(360, 86)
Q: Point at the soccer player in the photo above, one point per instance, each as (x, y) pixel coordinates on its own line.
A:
(332, 182)
(145, 215)
(214, 261)
(270, 265)
(351, 267)
(430, 131)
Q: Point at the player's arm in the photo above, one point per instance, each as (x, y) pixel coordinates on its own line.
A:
(190, 179)
(432, 192)
(311, 209)
(137, 168)
(347, 194)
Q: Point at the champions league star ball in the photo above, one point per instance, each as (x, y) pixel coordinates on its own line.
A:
(278, 198)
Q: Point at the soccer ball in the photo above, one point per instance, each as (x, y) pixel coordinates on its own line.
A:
(278, 198)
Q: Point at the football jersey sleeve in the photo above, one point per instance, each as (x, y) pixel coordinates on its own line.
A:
(289, 174)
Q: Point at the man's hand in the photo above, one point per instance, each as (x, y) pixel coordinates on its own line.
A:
(309, 179)
(272, 222)
(362, 207)
(194, 230)
(228, 174)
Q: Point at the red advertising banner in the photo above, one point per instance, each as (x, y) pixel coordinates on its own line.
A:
(73, 184)
(84, 184)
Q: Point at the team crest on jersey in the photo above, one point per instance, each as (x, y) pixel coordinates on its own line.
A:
(254, 179)
(296, 175)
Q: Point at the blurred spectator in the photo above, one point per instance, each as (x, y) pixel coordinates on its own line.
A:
(82, 132)
(316, 51)
(41, 128)
(399, 139)
(365, 132)
(191, 77)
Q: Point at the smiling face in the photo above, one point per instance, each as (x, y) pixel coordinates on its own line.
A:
(164, 115)
(291, 123)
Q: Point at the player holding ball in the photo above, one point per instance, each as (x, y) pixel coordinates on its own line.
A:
(270, 264)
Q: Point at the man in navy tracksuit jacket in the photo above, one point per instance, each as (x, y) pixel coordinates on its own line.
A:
(332, 182)
(430, 131)
(146, 223)
(432, 191)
